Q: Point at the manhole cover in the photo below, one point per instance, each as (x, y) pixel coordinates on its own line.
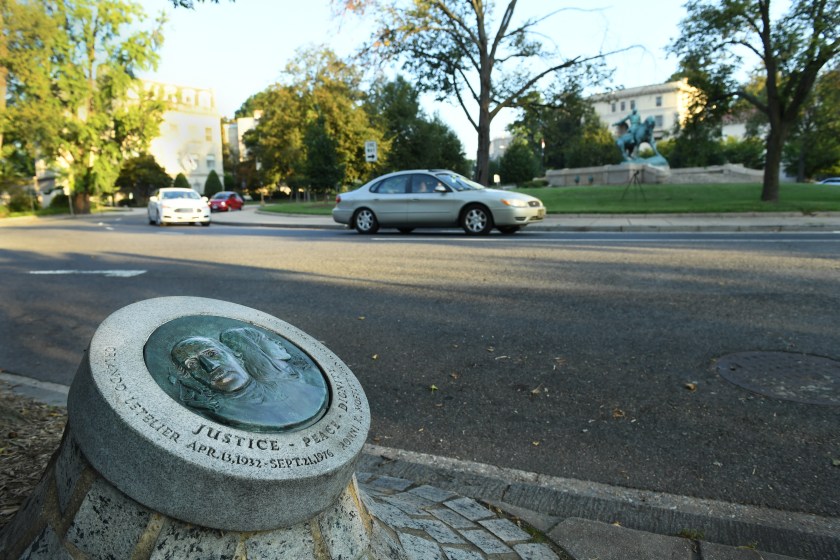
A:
(784, 375)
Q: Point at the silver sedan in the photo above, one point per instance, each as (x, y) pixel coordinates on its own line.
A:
(433, 198)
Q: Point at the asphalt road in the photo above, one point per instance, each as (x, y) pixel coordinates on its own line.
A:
(588, 356)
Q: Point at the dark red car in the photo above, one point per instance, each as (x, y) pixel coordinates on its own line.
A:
(226, 201)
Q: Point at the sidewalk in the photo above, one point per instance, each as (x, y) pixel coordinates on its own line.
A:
(747, 222)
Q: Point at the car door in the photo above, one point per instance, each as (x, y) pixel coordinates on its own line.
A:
(389, 199)
(430, 207)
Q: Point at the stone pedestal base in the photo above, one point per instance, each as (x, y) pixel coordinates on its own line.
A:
(75, 513)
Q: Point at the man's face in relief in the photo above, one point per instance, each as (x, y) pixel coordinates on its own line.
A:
(211, 363)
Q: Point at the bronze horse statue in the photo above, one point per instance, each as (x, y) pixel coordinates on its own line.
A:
(638, 134)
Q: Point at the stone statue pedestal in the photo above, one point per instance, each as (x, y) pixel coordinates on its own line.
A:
(144, 467)
(619, 174)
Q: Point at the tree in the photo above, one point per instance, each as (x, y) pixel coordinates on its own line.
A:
(416, 142)
(453, 50)
(82, 100)
(562, 129)
(30, 115)
(213, 184)
(321, 91)
(324, 170)
(141, 176)
(518, 164)
(181, 182)
(717, 36)
(814, 147)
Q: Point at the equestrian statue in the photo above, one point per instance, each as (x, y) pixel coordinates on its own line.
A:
(637, 133)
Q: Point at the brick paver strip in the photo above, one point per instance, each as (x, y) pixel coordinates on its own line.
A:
(505, 530)
(418, 548)
(451, 518)
(439, 531)
(390, 483)
(485, 541)
(432, 493)
(534, 551)
(469, 508)
(460, 554)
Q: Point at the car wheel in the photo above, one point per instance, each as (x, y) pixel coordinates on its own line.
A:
(365, 221)
(476, 220)
(151, 220)
(205, 224)
(406, 229)
(159, 221)
(509, 230)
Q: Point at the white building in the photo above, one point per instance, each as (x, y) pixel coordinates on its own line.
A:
(235, 132)
(667, 103)
(498, 146)
(190, 140)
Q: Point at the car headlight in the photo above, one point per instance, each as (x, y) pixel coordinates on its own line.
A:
(515, 202)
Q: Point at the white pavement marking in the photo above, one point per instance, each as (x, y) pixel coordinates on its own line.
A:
(108, 273)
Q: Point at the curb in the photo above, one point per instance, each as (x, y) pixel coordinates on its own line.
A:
(548, 503)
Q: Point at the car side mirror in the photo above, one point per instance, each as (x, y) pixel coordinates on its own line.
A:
(153, 199)
(441, 189)
(204, 198)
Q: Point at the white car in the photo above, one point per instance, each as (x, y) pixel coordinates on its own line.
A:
(178, 206)
(435, 198)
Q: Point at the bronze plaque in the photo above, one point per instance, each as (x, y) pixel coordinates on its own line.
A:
(237, 374)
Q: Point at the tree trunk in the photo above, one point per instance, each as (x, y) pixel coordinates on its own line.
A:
(482, 156)
(772, 161)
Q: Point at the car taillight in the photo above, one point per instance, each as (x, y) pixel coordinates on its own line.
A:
(337, 198)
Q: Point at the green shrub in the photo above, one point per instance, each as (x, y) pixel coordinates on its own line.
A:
(60, 201)
(22, 201)
(213, 184)
(181, 182)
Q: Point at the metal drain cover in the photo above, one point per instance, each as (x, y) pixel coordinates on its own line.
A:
(784, 375)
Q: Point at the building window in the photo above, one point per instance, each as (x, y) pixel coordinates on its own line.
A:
(660, 121)
(208, 134)
(613, 107)
(623, 106)
(659, 101)
(211, 161)
(632, 104)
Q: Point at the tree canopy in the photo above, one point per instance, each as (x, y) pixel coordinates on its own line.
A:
(416, 142)
(466, 51)
(717, 38)
(73, 96)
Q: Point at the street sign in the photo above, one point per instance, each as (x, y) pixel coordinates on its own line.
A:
(370, 151)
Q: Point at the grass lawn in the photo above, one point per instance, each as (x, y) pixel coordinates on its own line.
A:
(654, 199)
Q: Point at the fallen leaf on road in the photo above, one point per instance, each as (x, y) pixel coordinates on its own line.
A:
(433, 388)
(375, 357)
(691, 386)
(618, 413)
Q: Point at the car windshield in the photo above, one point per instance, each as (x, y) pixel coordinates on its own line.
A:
(459, 182)
(221, 195)
(180, 194)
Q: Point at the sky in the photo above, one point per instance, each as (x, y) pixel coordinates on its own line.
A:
(239, 48)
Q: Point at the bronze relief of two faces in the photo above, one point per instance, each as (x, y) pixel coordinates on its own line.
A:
(237, 374)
